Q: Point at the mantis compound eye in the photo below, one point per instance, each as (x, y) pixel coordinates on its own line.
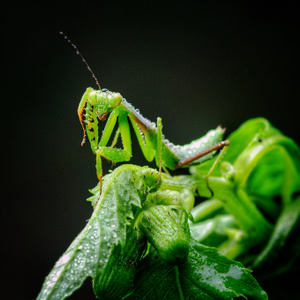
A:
(114, 99)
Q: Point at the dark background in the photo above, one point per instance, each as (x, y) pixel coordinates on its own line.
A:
(194, 65)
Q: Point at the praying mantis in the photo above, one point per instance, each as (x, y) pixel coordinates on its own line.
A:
(103, 105)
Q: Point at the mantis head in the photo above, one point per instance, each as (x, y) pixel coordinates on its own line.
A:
(97, 104)
(104, 101)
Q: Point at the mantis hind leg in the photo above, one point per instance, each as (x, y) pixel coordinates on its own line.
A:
(192, 158)
(221, 145)
(225, 145)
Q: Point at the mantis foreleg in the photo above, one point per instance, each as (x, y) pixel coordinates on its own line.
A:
(81, 108)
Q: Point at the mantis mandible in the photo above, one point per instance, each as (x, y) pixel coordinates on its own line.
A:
(104, 105)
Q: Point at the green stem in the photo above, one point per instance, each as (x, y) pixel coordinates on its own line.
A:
(234, 248)
(238, 204)
(205, 209)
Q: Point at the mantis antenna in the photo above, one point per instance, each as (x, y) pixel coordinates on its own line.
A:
(83, 59)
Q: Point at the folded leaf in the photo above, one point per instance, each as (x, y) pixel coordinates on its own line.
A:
(123, 190)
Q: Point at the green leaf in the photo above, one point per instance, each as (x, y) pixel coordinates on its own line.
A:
(123, 191)
(250, 133)
(213, 232)
(274, 174)
(261, 163)
(115, 280)
(247, 145)
(287, 224)
(205, 274)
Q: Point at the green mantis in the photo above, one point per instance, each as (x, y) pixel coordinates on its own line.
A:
(104, 105)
